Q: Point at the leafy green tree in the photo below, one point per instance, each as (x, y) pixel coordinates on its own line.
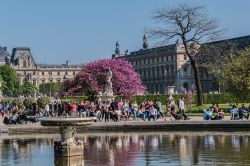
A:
(28, 88)
(54, 87)
(28, 102)
(235, 74)
(11, 81)
(42, 101)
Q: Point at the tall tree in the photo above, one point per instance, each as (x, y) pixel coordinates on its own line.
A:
(235, 74)
(92, 79)
(28, 88)
(192, 26)
(53, 87)
(11, 79)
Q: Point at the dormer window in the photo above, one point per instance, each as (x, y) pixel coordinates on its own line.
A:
(24, 63)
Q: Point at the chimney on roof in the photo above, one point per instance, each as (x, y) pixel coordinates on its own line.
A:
(145, 42)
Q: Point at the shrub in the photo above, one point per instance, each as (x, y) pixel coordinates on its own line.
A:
(27, 102)
(18, 102)
(43, 101)
(6, 101)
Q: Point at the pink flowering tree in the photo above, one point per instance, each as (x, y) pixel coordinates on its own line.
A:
(92, 79)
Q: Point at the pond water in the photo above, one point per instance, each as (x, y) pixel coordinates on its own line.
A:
(141, 148)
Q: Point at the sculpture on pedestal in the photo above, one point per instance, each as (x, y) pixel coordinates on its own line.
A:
(108, 87)
(108, 94)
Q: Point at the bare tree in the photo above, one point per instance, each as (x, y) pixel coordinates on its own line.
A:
(193, 27)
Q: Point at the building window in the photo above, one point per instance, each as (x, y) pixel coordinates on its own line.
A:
(34, 72)
(43, 73)
(34, 82)
(24, 64)
(58, 73)
(50, 73)
(172, 57)
(162, 58)
(66, 72)
(43, 81)
(185, 57)
(74, 73)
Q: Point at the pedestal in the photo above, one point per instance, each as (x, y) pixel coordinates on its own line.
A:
(107, 98)
(69, 161)
(171, 90)
(68, 147)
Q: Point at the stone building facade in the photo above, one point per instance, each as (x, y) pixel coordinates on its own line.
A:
(27, 69)
(164, 66)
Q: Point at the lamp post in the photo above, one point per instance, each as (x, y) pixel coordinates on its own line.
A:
(50, 73)
(165, 80)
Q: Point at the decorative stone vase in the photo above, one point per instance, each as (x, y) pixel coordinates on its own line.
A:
(67, 146)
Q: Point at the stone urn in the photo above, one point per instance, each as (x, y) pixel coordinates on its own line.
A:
(67, 146)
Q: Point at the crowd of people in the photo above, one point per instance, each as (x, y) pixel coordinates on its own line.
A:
(236, 113)
(122, 110)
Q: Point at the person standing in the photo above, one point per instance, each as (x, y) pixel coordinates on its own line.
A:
(182, 108)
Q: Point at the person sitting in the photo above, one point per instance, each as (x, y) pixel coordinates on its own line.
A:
(152, 113)
(234, 113)
(13, 118)
(208, 114)
(243, 113)
(22, 118)
(175, 114)
(219, 115)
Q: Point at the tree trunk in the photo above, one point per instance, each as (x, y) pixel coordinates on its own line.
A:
(197, 83)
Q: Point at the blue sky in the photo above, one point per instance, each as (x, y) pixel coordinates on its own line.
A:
(86, 30)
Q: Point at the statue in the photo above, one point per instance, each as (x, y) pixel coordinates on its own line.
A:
(108, 88)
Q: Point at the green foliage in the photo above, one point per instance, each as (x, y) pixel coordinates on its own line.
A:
(3, 84)
(54, 87)
(76, 99)
(141, 98)
(42, 101)
(18, 102)
(27, 102)
(6, 101)
(11, 79)
(235, 74)
(208, 98)
(28, 88)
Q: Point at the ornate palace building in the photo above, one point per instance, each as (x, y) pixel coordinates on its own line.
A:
(28, 70)
(164, 66)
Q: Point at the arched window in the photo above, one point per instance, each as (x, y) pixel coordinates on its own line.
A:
(185, 85)
(24, 63)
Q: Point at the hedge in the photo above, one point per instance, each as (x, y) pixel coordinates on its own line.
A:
(76, 99)
(207, 98)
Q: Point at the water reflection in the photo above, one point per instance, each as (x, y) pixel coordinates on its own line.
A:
(134, 149)
(69, 161)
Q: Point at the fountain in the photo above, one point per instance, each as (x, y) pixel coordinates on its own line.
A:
(67, 146)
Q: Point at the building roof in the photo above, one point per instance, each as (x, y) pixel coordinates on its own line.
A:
(3, 53)
(239, 42)
(58, 66)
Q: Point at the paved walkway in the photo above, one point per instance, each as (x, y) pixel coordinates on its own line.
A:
(195, 124)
